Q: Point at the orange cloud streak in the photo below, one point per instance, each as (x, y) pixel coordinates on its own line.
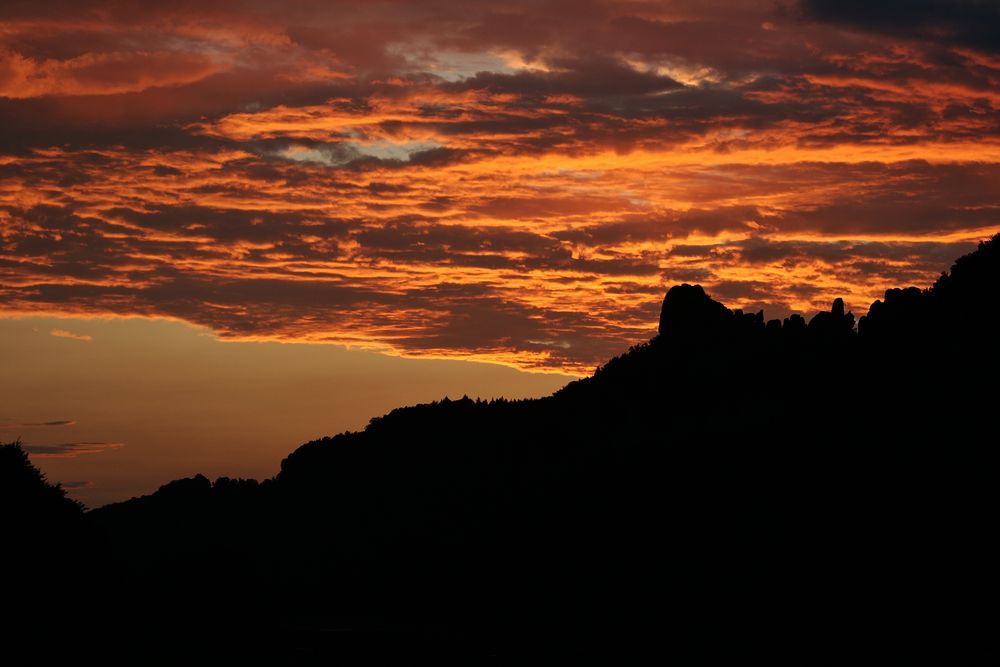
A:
(485, 191)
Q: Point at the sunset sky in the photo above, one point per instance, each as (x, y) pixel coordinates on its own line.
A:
(228, 227)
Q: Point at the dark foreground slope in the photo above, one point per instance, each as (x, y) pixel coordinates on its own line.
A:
(733, 487)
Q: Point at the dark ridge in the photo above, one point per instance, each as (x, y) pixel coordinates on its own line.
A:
(732, 488)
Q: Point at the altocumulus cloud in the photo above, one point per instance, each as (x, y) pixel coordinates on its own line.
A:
(452, 180)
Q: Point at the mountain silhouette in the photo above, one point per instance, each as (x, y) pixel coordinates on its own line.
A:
(733, 487)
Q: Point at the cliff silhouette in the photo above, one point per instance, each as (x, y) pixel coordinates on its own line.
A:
(733, 487)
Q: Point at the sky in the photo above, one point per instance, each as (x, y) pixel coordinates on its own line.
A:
(498, 194)
(116, 407)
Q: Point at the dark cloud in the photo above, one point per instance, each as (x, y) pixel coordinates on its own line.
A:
(759, 250)
(728, 290)
(70, 449)
(680, 274)
(971, 24)
(674, 224)
(589, 78)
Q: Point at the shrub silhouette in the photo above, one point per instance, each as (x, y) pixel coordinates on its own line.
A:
(27, 499)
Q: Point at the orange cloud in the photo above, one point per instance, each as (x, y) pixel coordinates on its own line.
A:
(62, 333)
(99, 74)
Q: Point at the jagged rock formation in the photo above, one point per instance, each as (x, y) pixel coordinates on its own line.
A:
(687, 311)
